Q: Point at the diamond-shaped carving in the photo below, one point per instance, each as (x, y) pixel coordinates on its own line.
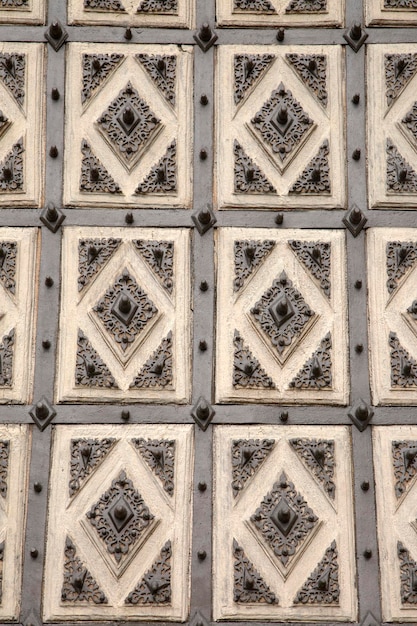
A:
(283, 125)
(282, 315)
(120, 517)
(284, 520)
(128, 125)
(124, 311)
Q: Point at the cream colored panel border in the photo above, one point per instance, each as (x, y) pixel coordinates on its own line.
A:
(183, 17)
(34, 13)
(27, 124)
(176, 125)
(376, 13)
(396, 517)
(333, 16)
(232, 515)
(233, 313)
(67, 517)
(18, 308)
(173, 315)
(388, 314)
(234, 124)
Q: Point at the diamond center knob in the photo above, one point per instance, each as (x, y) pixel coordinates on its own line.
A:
(281, 310)
(128, 120)
(283, 517)
(120, 514)
(124, 308)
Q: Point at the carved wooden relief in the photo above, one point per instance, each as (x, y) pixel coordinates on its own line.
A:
(283, 525)
(119, 523)
(137, 13)
(392, 129)
(280, 12)
(392, 314)
(131, 110)
(125, 314)
(21, 124)
(14, 461)
(395, 461)
(391, 12)
(282, 316)
(280, 137)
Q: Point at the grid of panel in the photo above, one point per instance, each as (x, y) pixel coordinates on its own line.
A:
(210, 162)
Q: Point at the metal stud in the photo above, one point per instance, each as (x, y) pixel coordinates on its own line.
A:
(52, 217)
(42, 413)
(204, 285)
(203, 154)
(204, 219)
(125, 415)
(358, 284)
(202, 346)
(37, 487)
(49, 281)
(359, 348)
(55, 95)
(53, 152)
(128, 34)
(56, 35)
(201, 555)
(355, 36)
(203, 413)
(46, 344)
(356, 154)
(354, 220)
(283, 416)
(34, 553)
(279, 218)
(205, 37)
(202, 487)
(204, 100)
(356, 98)
(365, 485)
(280, 34)
(129, 218)
(367, 553)
(361, 414)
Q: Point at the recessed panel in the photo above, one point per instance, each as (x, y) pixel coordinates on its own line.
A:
(391, 12)
(135, 13)
(280, 12)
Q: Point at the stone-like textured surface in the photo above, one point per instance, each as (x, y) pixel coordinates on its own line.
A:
(128, 137)
(22, 11)
(397, 532)
(391, 12)
(392, 283)
(281, 574)
(135, 13)
(280, 138)
(392, 142)
(105, 545)
(282, 316)
(13, 505)
(22, 129)
(126, 333)
(281, 12)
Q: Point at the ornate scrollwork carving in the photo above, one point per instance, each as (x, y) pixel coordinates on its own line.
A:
(79, 585)
(315, 178)
(316, 373)
(11, 169)
(318, 456)
(125, 310)
(162, 68)
(160, 456)
(403, 366)
(307, 6)
(249, 255)
(163, 175)
(159, 255)
(316, 257)
(8, 253)
(408, 575)
(399, 70)
(254, 6)
(248, 68)
(94, 176)
(120, 517)
(157, 371)
(247, 457)
(282, 123)
(247, 371)
(12, 74)
(249, 178)
(410, 121)
(312, 69)
(14, 4)
(158, 6)
(284, 520)
(90, 369)
(104, 5)
(6, 360)
(282, 313)
(400, 4)
(401, 256)
(155, 586)
(404, 460)
(4, 470)
(86, 456)
(128, 124)
(322, 586)
(93, 254)
(401, 177)
(249, 586)
(96, 69)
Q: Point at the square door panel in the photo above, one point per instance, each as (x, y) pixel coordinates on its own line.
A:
(392, 129)
(282, 316)
(280, 12)
(280, 127)
(125, 316)
(283, 524)
(135, 13)
(18, 280)
(129, 126)
(395, 462)
(119, 526)
(392, 284)
(21, 124)
(22, 12)
(391, 12)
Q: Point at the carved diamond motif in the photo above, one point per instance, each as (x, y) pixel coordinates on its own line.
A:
(128, 125)
(283, 125)
(284, 520)
(282, 315)
(124, 311)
